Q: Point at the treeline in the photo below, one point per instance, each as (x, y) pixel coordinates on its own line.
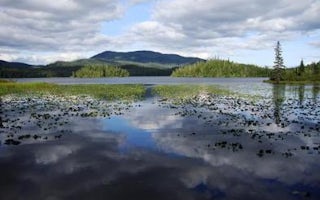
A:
(135, 70)
(309, 72)
(67, 69)
(302, 73)
(221, 68)
(36, 72)
(97, 71)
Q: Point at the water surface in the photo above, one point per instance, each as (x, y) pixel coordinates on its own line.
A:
(208, 148)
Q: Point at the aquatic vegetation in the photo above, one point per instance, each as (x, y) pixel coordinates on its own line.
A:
(4, 81)
(45, 118)
(268, 125)
(101, 91)
(183, 92)
(211, 138)
(180, 93)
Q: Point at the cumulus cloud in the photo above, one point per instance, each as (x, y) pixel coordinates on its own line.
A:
(134, 2)
(223, 26)
(315, 44)
(59, 26)
(163, 119)
(201, 28)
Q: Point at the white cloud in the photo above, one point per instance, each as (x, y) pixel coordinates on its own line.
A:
(161, 120)
(226, 27)
(203, 28)
(54, 154)
(60, 26)
(135, 2)
(315, 44)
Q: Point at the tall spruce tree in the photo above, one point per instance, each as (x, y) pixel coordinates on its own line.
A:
(301, 68)
(278, 64)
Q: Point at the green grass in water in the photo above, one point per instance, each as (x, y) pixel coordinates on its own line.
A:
(187, 91)
(100, 91)
(180, 93)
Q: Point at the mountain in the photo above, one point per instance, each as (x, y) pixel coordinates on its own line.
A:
(138, 63)
(134, 68)
(147, 58)
(14, 64)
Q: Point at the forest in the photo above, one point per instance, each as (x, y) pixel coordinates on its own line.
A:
(308, 73)
(100, 70)
(300, 74)
(221, 68)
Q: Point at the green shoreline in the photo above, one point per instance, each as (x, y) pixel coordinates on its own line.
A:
(292, 82)
(124, 92)
(99, 91)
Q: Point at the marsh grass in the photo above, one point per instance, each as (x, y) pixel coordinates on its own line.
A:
(5, 81)
(187, 91)
(100, 91)
(180, 93)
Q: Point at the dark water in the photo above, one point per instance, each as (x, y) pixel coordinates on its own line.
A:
(211, 147)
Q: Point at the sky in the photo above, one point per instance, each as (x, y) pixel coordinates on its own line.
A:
(41, 32)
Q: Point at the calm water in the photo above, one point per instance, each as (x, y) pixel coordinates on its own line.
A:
(209, 148)
(244, 85)
(141, 80)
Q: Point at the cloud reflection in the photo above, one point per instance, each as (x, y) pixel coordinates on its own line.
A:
(192, 163)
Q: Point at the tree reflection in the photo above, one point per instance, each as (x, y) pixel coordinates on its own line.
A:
(315, 92)
(301, 91)
(278, 99)
(1, 112)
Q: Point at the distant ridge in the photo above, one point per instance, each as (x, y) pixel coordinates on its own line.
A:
(14, 64)
(137, 63)
(146, 57)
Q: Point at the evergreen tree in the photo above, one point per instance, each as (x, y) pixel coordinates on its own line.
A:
(301, 68)
(315, 68)
(278, 64)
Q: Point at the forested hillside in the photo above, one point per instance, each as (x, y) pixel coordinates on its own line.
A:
(308, 73)
(98, 71)
(137, 63)
(221, 68)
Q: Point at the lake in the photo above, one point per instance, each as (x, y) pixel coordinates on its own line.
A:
(209, 147)
(147, 80)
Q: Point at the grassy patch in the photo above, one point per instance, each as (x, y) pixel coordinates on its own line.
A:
(180, 93)
(108, 92)
(177, 92)
(4, 81)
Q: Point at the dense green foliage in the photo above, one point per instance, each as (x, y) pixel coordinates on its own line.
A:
(300, 74)
(221, 68)
(109, 92)
(308, 73)
(97, 71)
